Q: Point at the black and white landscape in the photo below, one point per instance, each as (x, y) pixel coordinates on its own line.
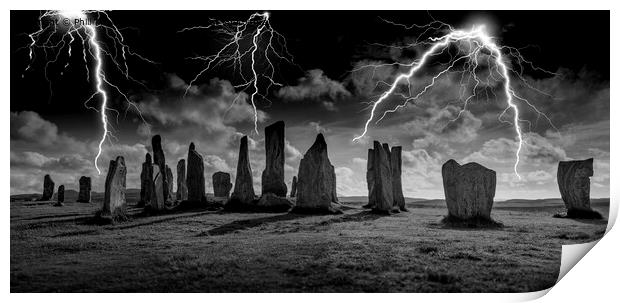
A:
(373, 151)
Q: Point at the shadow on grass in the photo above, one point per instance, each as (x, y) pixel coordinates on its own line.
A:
(356, 217)
(450, 222)
(247, 224)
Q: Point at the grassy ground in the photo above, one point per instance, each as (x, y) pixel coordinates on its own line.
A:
(55, 249)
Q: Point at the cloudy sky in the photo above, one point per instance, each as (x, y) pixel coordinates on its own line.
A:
(322, 90)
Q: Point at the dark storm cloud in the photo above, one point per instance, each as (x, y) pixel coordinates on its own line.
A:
(29, 130)
(315, 86)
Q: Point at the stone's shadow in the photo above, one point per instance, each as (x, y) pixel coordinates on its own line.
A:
(362, 216)
(247, 224)
(450, 222)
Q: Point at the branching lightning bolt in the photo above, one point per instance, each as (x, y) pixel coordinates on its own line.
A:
(253, 40)
(474, 45)
(57, 33)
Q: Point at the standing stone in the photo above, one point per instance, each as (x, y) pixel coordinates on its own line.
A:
(181, 184)
(469, 190)
(294, 187)
(195, 175)
(221, 184)
(160, 160)
(115, 182)
(243, 194)
(170, 183)
(383, 193)
(316, 180)
(273, 176)
(397, 184)
(85, 188)
(370, 178)
(60, 196)
(146, 181)
(48, 188)
(158, 201)
(574, 182)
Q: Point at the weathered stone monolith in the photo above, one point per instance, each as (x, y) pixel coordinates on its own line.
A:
(273, 176)
(146, 182)
(195, 175)
(48, 188)
(243, 194)
(160, 159)
(316, 181)
(158, 201)
(115, 182)
(60, 196)
(383, 193)
(221, 184)
(469, 190)
(170, 183)
(181, 182)
(370, 178)
(574, 183)
(397, 183)
(85, 188)
(294, 187)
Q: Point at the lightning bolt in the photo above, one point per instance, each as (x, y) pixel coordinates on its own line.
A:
(253, 40)
(60, 30)
(474, 45)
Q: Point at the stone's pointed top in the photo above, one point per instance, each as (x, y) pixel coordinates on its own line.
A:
(277, 124)
(120, 160)
(244, 138)
(148, 158)
(192, 146)
(319, 143)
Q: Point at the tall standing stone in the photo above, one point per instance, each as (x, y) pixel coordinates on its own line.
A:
(60, 196)
(158, 201)
(469, 190)
(574, 183)
(181, 182)
(294, 187)
(85, 188)
(221, 184)
(370, 178)
(316, 182)
(243, 194)
(146, 181)
(383, 193)
(170, 183)
(115, 183)
(195, 175)
(160, 160)
(273, 176)
(48, 188)
(397, 183)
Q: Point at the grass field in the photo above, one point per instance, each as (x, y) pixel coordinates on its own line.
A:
(56, 249)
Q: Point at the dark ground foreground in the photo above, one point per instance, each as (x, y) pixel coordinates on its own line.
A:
(54, 249)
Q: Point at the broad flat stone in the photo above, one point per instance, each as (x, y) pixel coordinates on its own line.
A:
(221, 184)
(574, 182)
(85, 188)
(469, 189)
